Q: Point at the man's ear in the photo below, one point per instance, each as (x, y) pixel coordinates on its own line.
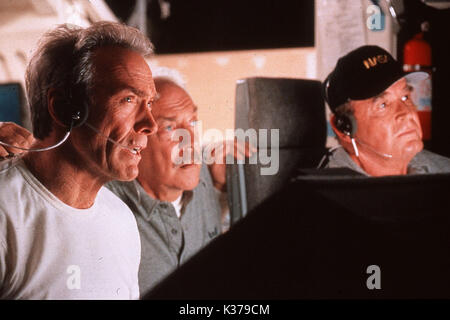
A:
(54, 101)
(344, 138)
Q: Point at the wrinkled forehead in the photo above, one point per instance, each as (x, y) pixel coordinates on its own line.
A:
(116, 63)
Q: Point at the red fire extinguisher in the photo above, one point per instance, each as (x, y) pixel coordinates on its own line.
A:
(417, 57)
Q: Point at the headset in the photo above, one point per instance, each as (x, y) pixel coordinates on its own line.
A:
(72, 111)
(347, 124)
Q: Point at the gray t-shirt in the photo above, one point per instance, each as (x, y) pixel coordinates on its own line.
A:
(166, 240)
(424, 162)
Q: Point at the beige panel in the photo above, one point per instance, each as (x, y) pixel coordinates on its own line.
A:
(211, 77)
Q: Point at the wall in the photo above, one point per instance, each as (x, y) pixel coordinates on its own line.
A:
(22, 23)
(211, 77)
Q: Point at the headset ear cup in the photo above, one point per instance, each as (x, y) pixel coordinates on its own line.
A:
(70, 115)
(346, 123)
(325, 85)
(79, 117)
(62, 112)
(354, 125)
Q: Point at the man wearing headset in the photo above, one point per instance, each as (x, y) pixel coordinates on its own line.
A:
(176, 206)
(62, 234)
(374, 118)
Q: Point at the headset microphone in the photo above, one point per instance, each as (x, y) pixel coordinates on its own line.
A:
(355, 148)
(72, 111)
(109, 139)
(66, 136)
(346, 123)
(75, 117)
(386, 155)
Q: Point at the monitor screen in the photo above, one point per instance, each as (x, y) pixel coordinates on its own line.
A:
(10, 103)
(222, 25)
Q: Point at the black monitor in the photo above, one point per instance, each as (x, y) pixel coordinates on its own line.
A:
(222, 25)
(388, 198)
(320, 236)
(10, 103)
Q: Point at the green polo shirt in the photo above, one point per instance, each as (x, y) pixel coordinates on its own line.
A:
(166, 240)
(424, 162)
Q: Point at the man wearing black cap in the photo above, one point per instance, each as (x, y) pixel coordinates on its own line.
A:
(374, 118)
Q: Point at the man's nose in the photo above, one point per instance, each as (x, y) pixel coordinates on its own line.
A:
(404, 109)
(146, 123)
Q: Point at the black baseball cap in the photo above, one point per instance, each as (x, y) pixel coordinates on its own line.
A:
(364, 73)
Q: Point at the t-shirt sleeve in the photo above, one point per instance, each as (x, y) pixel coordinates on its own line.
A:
(117, 188)
(135, 293)
(112, 186)
(3, 250)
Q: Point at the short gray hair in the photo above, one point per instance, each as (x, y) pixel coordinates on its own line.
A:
(63, 60)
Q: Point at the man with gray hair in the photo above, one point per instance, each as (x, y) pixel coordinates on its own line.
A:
(176, 206)
(62, 234)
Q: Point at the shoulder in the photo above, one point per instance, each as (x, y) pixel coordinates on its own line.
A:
(205, 177)
(205, 200)
(108, 197)
(134, 196)
(7, 164)
(117, 187)
(15, 185)
(118, 225)
(3, 229)
(205, 192)
(123, 189)
(339, 158)
(434, 162)
(117, 216)
(9, 170)
(16, 197)
(428, 155)
(107, 200)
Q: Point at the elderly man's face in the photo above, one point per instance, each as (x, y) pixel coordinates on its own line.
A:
(389, 123)
(173, 110)
(120, 109)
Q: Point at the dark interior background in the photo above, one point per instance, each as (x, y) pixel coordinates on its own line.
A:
(220, 25)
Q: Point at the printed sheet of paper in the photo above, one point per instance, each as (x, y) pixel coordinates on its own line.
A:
(340, 28)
